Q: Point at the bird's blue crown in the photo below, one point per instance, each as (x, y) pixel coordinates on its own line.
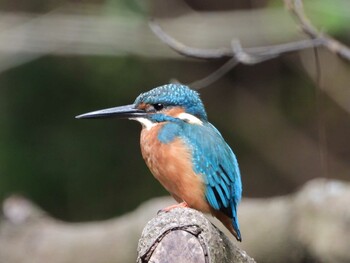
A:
(173, 95)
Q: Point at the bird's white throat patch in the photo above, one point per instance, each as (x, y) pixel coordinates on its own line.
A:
(146, 123)
(189, 118)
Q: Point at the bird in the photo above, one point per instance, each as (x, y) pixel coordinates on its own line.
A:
(184, 151)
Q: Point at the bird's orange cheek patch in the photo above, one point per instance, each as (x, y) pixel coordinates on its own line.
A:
(143, 106)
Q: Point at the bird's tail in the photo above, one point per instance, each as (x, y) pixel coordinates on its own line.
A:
(236, 228)
(230, 223)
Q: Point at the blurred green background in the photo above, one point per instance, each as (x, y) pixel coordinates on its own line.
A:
(62, 58)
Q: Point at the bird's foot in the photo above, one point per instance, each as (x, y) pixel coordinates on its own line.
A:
(167, 209)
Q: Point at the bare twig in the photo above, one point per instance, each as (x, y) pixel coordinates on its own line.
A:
(295, 7)
(297, 10)
(187, 51)
(235, 55)
(248, 56)
(214, 76)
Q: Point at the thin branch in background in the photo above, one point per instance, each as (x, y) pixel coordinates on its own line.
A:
(277, 50)
(265, 52)
(249, 58)
(187, 51)
(241, 56)
(215, 76)
(321, 123)
(296, 8)
(236, 55)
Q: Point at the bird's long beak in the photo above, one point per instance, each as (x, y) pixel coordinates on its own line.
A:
(122, 112)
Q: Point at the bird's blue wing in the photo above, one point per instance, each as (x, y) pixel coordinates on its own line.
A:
(216, 162)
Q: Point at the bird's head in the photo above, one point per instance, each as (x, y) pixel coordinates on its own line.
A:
(164, 103)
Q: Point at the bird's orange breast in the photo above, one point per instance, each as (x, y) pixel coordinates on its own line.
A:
(171, 165)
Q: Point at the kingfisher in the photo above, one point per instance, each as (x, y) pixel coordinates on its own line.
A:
(184, 151)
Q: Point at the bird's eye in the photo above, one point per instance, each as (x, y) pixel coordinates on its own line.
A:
(158, 106)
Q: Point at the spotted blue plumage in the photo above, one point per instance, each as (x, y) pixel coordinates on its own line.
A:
(175, 95)
(212, 158)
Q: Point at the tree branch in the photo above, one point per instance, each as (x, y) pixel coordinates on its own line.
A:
(186, 235)
(312, 223)
(296, 8)
(252, 55)
(234, 55)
